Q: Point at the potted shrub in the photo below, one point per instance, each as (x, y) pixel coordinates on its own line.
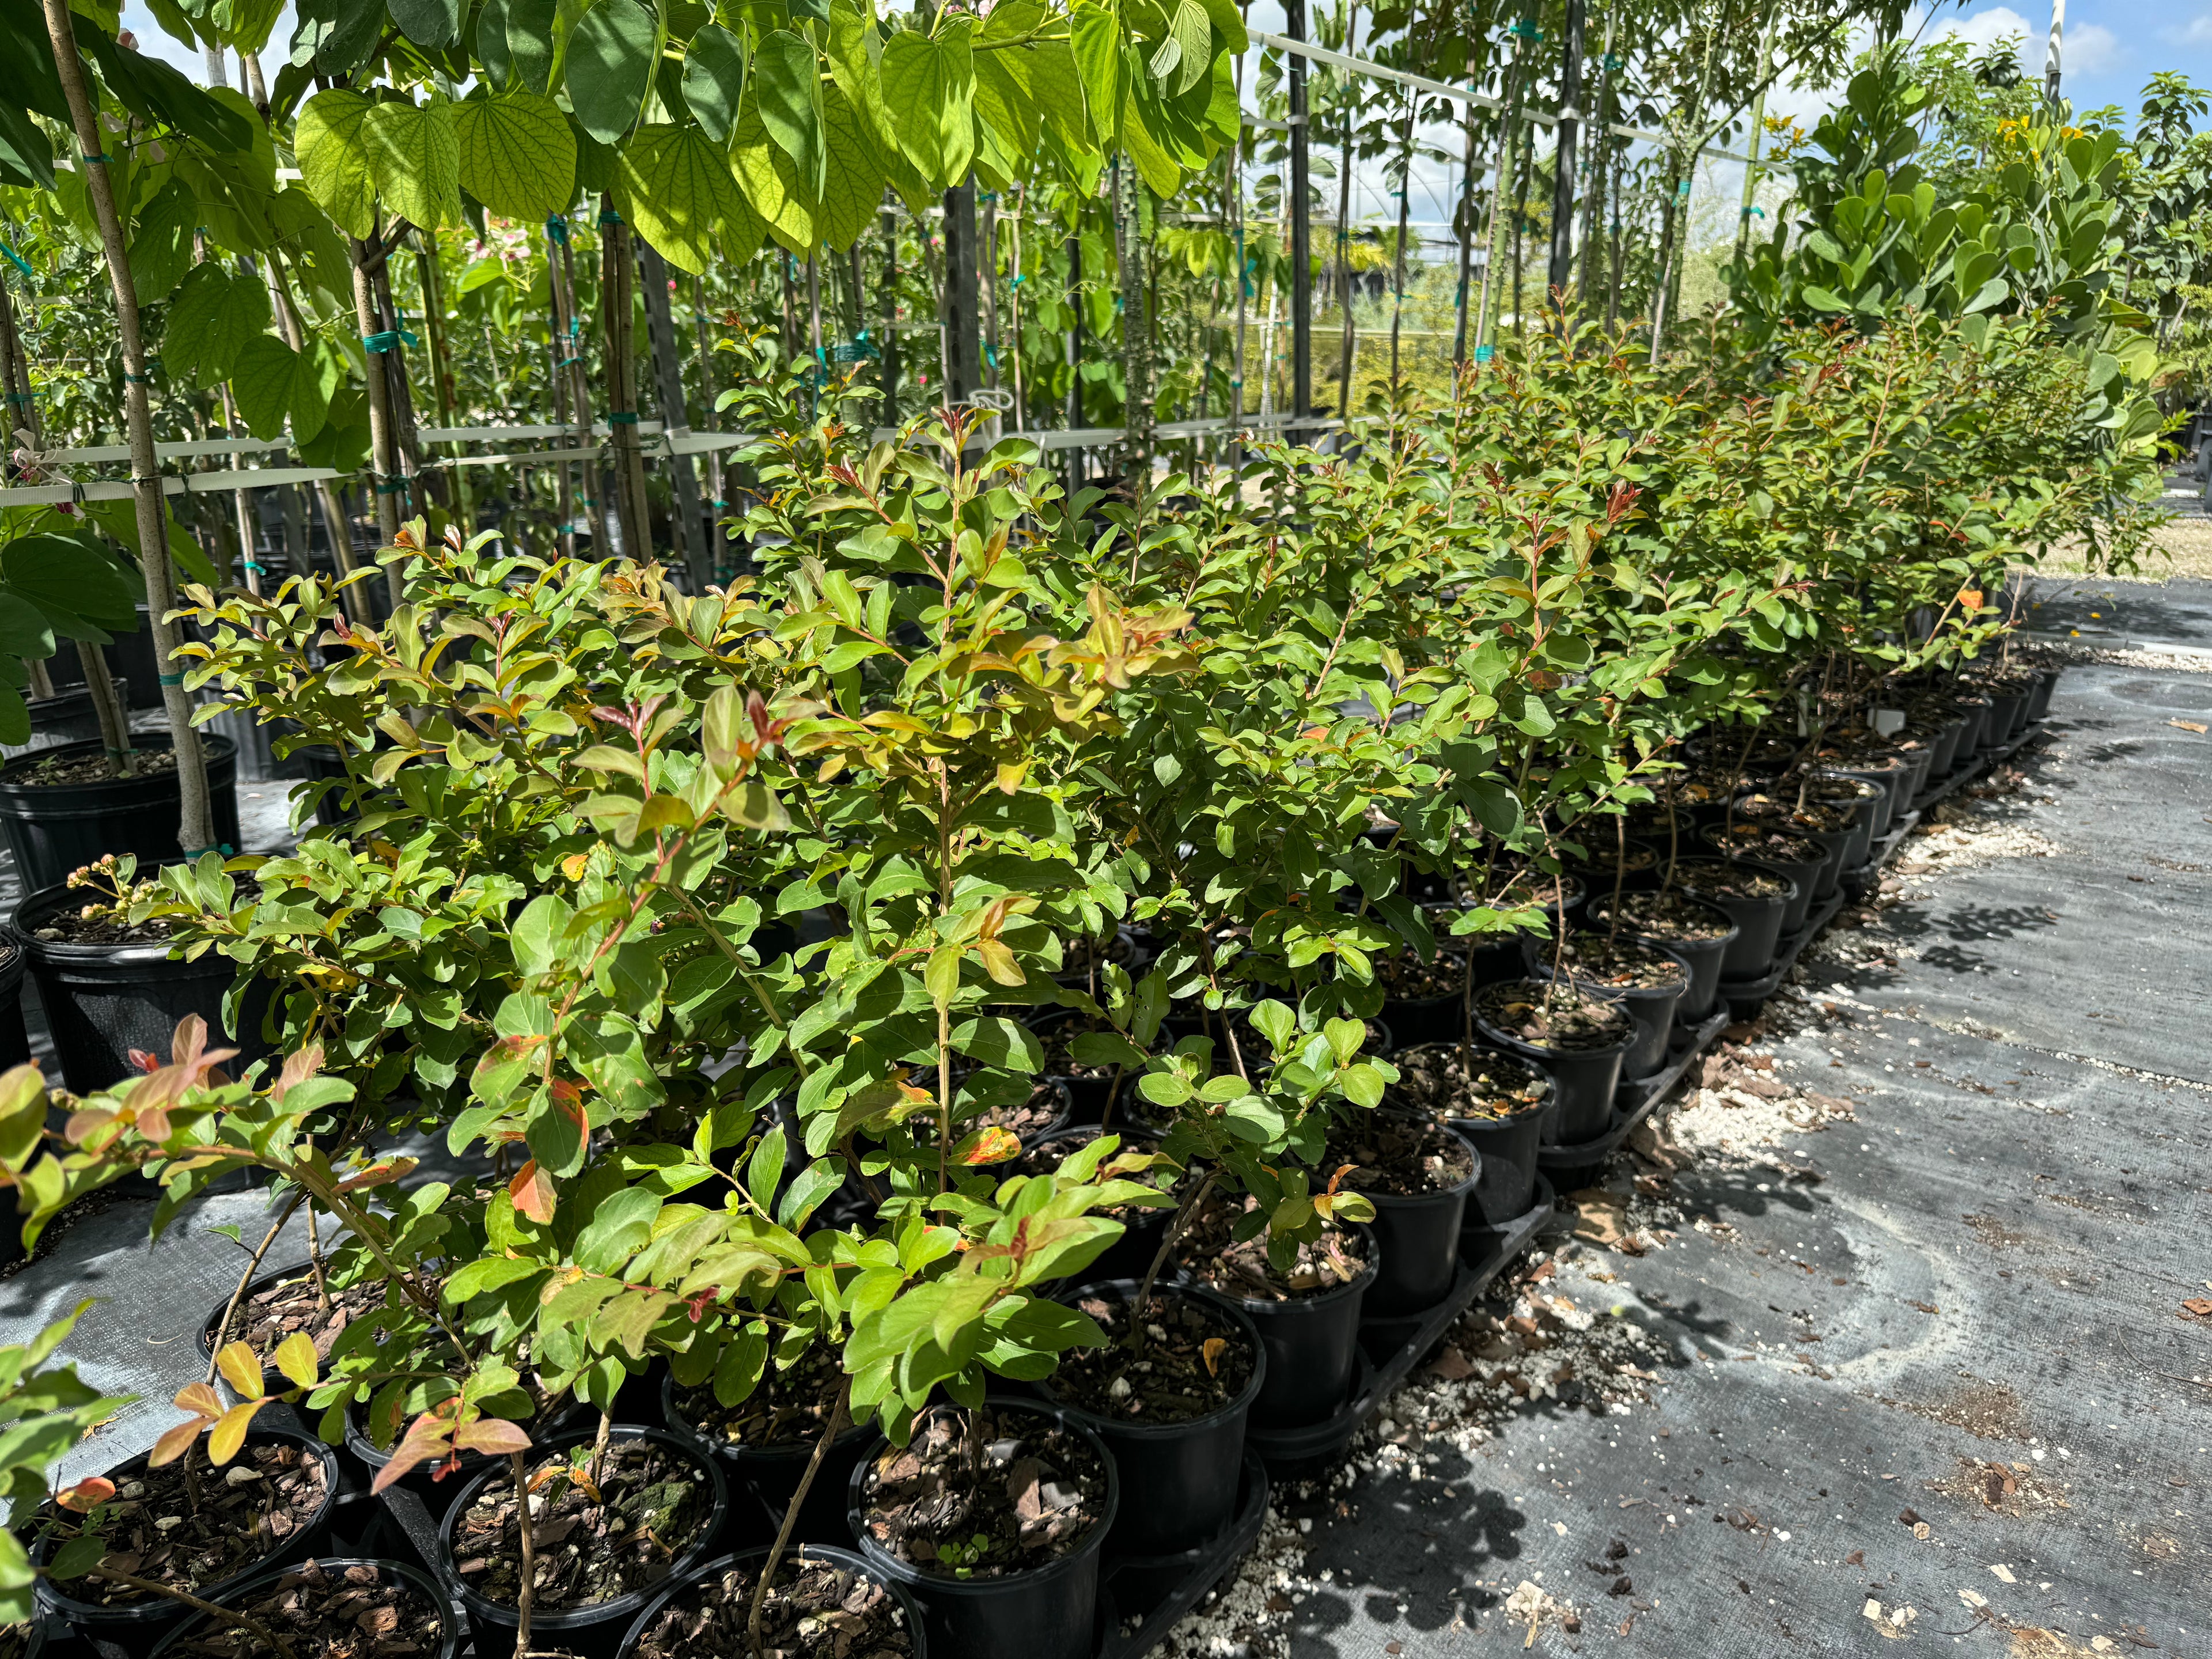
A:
(1418, 1173)
(1497, 1101)
(1752, 896)
(818, 1587)
(1579, 1038)
(1702, 935)
(68, 806)
(1801, 860)
(1646, 979)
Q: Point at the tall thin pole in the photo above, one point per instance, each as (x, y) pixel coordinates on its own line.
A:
(1757, 136)
(1347, 350)
(1294, 25)
(1498, 192)
(1600, 148)
(1466, 230)
(2050, 52)
(691, 550)
(890, 310)
(1563, 163)
(1405, 212)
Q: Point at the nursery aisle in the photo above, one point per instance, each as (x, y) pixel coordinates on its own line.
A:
(1930, 1363)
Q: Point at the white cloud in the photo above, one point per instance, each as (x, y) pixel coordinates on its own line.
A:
(2089, 49)
(2197, 31)
(2084, 48)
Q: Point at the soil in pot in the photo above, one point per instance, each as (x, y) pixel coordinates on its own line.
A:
(1043, 1109)
(349, 1610)
(1650, 981)
(1436, 1077)
(63, 769)
(267, 1316)
(1756, 898)
(1404, 977)
(271, 1492)
(1556, 1019)
(1801, 858)
(653, 1504)
(1400, 1156)
(984, 1493)
(1335, 1258)
(787, 1410)
(1418, 1173)
(821, 1606)
(95, 923)
(1196, 1360)
(1697, 932)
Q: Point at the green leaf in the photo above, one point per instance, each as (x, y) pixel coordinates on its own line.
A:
(676, 188)
(714, 80)
(997, 1041)
(770, 182)
(1821, 300)
(929, 87)
(530, 29)
(1005, 99)
(1094, 33)
(610, 66)
(855, 187)
(333, 151)
(433, 23)
(492, 50)
(764, 1169)
(517, 153)
(1192, 35)
(161, 243)
(787, 84)
(213, 319)
(415, 159)
(738, 1372)
(273, 382)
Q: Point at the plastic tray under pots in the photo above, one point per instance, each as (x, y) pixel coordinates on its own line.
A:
(1149, 1594)
(1758, 920)
(796, 1553)
(769, 1476)
(1312, 1345)
(136, 1626)
(1417, 1235)
(190, 1632)
(1041, 1613)
(1583, 1081)
(596, 1629)
(1179, 1480)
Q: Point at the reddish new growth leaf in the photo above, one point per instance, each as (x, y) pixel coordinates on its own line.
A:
(532, 1189)
(988, 1146)
(86, 1495)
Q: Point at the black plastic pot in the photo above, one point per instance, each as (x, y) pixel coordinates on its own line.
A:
(2039, 701)
(1758, 925)
(14, 1040)
(134, 1626)
(770, 1474)
(1505, 1185)
(1859, 845)
(1943, 746)
(1827, 875)
(1178, 1480)
(1427, 1019)
(192, 1627)
(757, 1559)
(1652, 1009)
(68, 716)
(1891, 780)
(1418, 1235)
(104, 1000)
(1312, 1345)
(2008, 713)
(1037, 1614)
(1976, 713)
(130, 660)
(1703, 958)
(1804, 875)
(54, 829)
(599, 1627)
(1582, 1082)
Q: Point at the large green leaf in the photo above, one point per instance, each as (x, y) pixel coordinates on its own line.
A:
(929, 87)
(334, 163)
(1192, 37)
(1005, 100)
(244, 25)
(714, 80)
(149, 89)
(74, 581)
(855, 188)
(856, 76)
(517, 155)
(212, 320)
(529, 40)
(433, 23)
(676, 187)
(26, 157)
(610, 65)
(1095, 36)
(415, 159)
(343, 441)
(787, 85)
(492, 50)
(161, 243)
(272, 383)
(771, 182)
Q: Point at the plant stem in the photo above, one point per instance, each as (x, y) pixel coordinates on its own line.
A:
(1620, 877)
(1175, 1228)
(599, 1448)
(838, 1419)
(528, 1593)
(230, 1312)
(315, 1265)
(245, 1622)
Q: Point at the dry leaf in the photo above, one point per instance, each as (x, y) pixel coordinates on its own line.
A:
(2198, 1307)
(2188, 726)
(1211, 1351)
(2003, 1573)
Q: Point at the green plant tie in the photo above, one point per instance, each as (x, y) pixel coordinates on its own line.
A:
(386, 339)
(17, 260)
(556, 229)
(178, 679)
(223, 847)
(1749, 212)
(622, 417)
(100, 157)
(137, 380)
(20, 396)
(609, 217)
(1483, 354)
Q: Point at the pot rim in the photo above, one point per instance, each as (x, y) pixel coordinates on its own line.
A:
(452, 1614)
(796, 1551)
(1189, 1425)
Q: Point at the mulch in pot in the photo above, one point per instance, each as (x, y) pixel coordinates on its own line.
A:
(1194, 1361)
(97, 924)
(1556, 1017)
(267, 1316)
(983, 1493)
(1207, 1251)
(1397, 1154)
(57, 773)
(1445, 1080)
(1623, 964)
(246, 1510)
(1784, 812)
(788, 1407)
(1669, 915)
(1404, 977)
(1725, 878)
(351, 1613)
(652, 1501)
(815, 1609)
(1757, 842)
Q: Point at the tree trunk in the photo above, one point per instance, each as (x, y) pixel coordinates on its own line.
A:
(1348, 349)
(616, 307)
(196, 826)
